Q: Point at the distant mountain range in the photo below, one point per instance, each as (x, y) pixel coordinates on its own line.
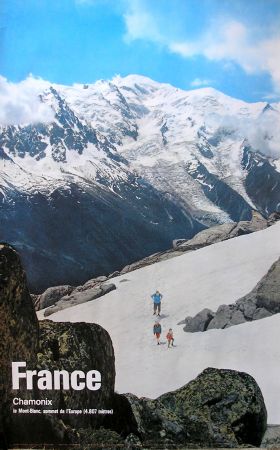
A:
(126, 166)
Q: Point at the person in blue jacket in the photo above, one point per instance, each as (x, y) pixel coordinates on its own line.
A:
(157, 296)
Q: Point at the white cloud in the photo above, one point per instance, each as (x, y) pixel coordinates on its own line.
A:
(225, 40)
(21, 104)
(262, 132)
(140, 23)
(199, 82)
(234, 42)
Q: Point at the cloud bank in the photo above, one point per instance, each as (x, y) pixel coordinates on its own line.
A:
(225, 39)
(21, 104)
(261, 133)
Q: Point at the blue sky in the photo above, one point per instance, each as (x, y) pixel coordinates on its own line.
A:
(231, 45)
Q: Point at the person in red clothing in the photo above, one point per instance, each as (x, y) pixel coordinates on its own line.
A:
(170, 337)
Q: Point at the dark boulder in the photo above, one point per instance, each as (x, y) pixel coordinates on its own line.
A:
(18, 335)
(220, 408)
(226, 316)
(19, 340)
(247, 306)
(78, 346)
(199, 322)
(47, 345)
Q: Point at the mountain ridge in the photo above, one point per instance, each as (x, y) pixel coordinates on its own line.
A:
(165, 162)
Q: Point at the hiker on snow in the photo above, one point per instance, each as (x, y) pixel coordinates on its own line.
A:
(157, 331)
(157, 302)
(170, 338)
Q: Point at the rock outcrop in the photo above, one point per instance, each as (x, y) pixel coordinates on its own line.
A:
(274, 217)
(47, 346)
(18, 334)
(220, 408)
(78, 346)
(263, 301)
(82, 294)
(199, 322)
(222, 232)
(57, 298)
(52, 295)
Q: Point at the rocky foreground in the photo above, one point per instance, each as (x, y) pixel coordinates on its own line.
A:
(220, 408)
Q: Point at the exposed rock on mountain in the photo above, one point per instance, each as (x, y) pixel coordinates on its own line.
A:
(80, 296)
(199, 322)
(263, 301)
(52, 295)
(220, 408)
(274, 217)
(222, 232)
(259, 168)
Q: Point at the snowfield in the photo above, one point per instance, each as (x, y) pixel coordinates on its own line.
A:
(215, 275)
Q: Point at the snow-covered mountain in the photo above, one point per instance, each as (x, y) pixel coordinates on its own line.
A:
(126, 166)
(207, 278)
(201, 147)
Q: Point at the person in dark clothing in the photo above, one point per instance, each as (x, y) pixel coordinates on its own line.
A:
(157, 296)
(157, 331)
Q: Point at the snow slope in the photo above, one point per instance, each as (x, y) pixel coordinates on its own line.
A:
(208, 277)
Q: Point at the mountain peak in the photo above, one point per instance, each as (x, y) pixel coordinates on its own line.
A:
(140, 83)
